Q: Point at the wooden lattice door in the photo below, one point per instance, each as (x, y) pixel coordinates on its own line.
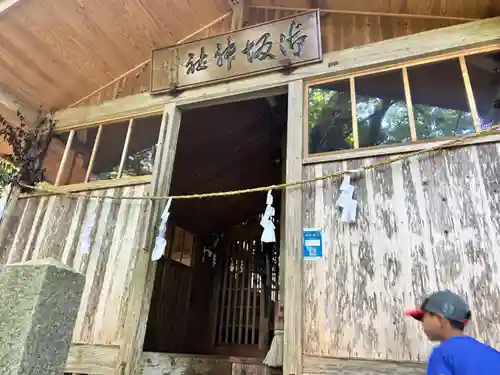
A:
(246, 289)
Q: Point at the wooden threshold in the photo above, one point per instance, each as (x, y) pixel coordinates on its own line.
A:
(102, 359)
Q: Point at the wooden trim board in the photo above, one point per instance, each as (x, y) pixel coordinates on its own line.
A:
(396, 149)
(364, 13)
(417, 46)
(92, 359)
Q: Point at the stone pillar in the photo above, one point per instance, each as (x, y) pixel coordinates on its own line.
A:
(39, 302)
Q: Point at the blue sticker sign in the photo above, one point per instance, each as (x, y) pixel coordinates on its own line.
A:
(312, 242)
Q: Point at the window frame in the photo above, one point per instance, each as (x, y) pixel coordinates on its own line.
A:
(116, 182)
(391, 149)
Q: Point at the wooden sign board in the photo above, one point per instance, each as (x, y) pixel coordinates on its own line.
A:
(288, 42)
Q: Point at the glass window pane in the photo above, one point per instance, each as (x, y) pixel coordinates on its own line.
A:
(484, 73)
(381, 109)
(439, 100)
(329, 117)
(76, 165)
(142, 146)
(109, 151)
(53, 158)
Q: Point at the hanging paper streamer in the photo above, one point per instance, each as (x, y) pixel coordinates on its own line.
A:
(85, 239)
(349, 212)
(3, 200)
(345, 201)
(161, 241)
(267, 221)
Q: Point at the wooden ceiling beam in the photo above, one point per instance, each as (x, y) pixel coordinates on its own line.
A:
(362, 13)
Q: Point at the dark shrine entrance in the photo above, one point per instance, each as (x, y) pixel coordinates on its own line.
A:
(216, 288)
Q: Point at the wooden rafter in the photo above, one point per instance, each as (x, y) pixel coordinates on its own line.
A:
(362, 13)
(141, 65)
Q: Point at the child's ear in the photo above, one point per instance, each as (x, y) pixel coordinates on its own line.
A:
(442, 320)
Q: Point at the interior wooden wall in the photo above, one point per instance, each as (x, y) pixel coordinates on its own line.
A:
(167, 327)
(199, 331)
(424, 224)
(54, 227)
(167, 323)
(339, 31)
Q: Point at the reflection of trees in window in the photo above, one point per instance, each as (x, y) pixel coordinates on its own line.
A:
(382, 116)
(439, 100)
(484, 73)
(330, 118)
(438, 96)
(138, 164)
(382, 121)
(435, 122)
(381, 109)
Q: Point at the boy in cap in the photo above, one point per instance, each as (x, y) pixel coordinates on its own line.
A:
(444, 316)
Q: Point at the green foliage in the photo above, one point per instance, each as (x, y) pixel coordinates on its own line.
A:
(29, 144)
(7, 169)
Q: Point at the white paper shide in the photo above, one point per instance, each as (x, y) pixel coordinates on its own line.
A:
(346, 202)
(161, 241)
(267, 221)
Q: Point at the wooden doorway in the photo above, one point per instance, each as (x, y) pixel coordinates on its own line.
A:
(225, 148)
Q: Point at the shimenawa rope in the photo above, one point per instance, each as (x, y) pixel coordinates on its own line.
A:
(438, 147)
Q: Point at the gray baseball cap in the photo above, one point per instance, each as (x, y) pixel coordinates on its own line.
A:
(445, 303)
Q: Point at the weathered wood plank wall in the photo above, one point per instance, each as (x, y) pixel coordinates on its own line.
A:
(339, 31)
(423, 224)
(53, 227)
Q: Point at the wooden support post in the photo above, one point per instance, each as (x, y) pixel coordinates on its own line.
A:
(292, 350)
(139, 297)
(64, 160)
(125, 148)
(94, 153)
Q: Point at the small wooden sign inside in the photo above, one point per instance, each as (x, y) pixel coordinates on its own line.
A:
(288, 42)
